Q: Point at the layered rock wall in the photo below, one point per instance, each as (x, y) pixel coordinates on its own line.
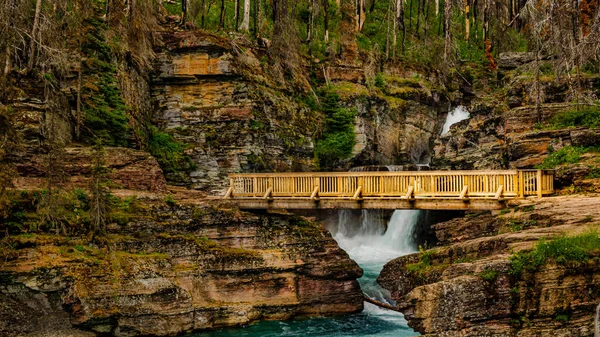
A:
(177, 269)
(467, 286)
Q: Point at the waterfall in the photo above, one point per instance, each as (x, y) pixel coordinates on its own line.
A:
(597, 322)
(370, 241)
(459, 113)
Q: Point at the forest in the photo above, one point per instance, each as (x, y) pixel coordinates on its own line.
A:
(84, 53)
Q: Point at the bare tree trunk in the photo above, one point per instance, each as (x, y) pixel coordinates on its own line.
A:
(257, 20)
(426, 22)
(387, 34)
(395, 29)
(308, 20)
(437, 8)
(245, 26)
(474, 21)
(236, 17)
(34, 34)
(467, 23)
(7, 65)
(447, 41)
(222, 16)
(538, 102)
(403, 23)
(361, 15)
(485, 19)
(410, 15)
(79, 86)
(184, 10)
(326, 20)
(400, 18)
(203, 12)
(419, 11)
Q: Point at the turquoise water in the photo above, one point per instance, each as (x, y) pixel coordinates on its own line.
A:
(371, 251)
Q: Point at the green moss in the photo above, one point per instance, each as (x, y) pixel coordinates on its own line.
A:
(425, 264)
(527, 209)
(565, 250)
(141, 255)
(170, 200)
(562, 318)
(489, 275)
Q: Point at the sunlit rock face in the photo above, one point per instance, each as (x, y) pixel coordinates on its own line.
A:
(216, 100)
(177, 269)
(469, 288)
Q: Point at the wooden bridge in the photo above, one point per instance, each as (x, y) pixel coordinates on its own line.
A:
(443, 190)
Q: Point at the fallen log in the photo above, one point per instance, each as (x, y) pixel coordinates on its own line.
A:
(380, 304)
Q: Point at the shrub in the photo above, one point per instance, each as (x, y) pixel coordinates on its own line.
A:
(563, 250)
(587, 117)
(168, 152)
(380, 81)
(103, 106)
(338, 140)
(562, 318)
(169, 200)
(566, 155)
(489, 275)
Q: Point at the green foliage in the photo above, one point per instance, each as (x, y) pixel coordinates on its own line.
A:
(489, 275)
(515, 225)
(565, 250)
(337, 141)
(170, 200)
(380, 81)
(527, 209)
(104, 110)
(169, 153)
(587, 117)
(562, 318)
(425, 262)
(566, 155)
(594, 173)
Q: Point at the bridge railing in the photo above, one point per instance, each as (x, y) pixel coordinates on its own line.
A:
(424, 184)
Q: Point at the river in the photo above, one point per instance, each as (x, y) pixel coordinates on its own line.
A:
(371, 247)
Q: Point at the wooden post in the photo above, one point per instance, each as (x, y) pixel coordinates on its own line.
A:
(268, 193)
(499, 192)
(521, 185)
(315, 193)
(463, 194)
(229, 193)
(357, 193)
(409, 194)
(539, 183)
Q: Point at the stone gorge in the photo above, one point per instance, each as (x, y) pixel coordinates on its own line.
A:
(120, 122)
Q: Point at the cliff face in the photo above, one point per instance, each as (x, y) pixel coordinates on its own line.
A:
(211, 95)
(397, 123)
(506, 128)
(467, 286)
(214, 94)
(175, 269)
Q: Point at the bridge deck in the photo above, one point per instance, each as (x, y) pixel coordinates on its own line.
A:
(446, 190)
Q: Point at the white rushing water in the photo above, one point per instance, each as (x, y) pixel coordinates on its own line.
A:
(597, 322)
(458, 114)
(371, 247)
(371, 242)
